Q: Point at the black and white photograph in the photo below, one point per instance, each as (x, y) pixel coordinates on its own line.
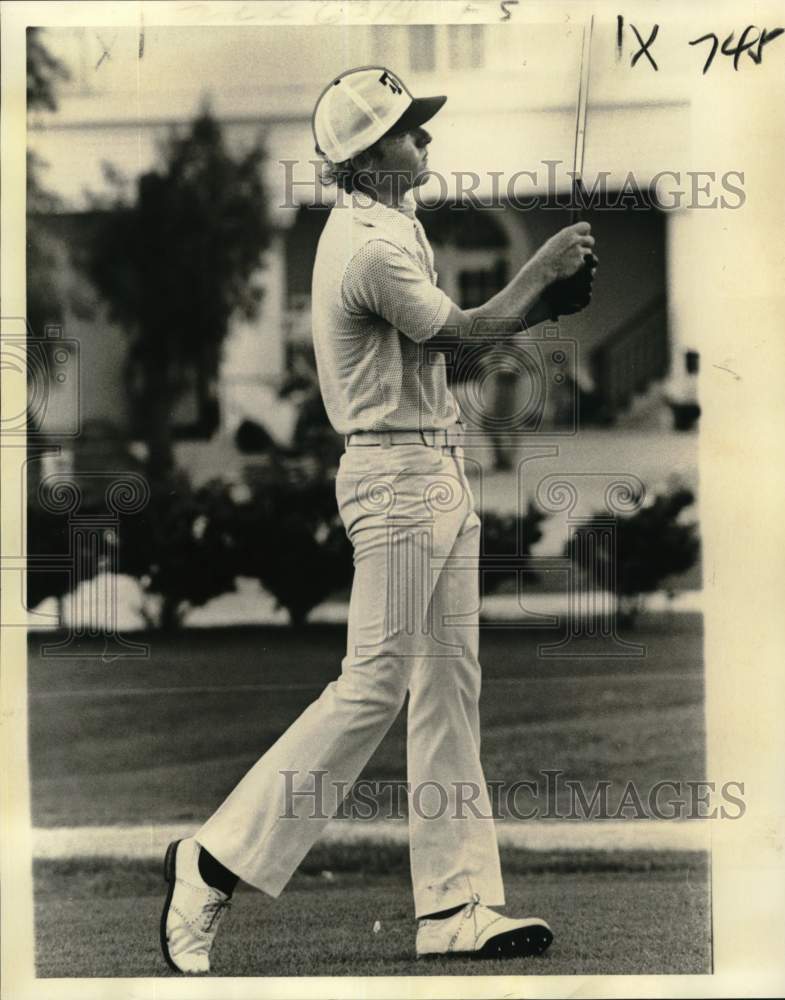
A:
(392, 464)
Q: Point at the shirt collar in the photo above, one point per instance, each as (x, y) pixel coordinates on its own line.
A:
(394, 221)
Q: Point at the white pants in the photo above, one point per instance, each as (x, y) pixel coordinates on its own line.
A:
(413, 626)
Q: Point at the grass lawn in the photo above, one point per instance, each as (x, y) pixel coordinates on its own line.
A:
(165, 739)
(611, 914)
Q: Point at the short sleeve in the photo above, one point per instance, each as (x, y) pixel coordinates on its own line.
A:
(382, 279)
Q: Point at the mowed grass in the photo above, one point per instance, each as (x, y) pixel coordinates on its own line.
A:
(612, 914)
(166, 738)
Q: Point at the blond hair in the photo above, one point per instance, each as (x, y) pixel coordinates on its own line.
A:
(341, 173)
(344, 172)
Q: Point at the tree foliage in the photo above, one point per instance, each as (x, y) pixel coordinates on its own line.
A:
(44, 73)
(175, 264)
(650, 545)
(45, 296)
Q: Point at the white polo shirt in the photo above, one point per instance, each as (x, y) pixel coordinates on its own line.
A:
(374, 305)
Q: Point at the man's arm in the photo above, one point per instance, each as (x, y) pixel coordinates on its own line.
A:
(522, 300)
(381, 279)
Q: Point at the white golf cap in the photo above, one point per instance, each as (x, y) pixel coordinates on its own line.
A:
(361, 105)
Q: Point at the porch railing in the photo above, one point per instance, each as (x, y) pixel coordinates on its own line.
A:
(632, 357)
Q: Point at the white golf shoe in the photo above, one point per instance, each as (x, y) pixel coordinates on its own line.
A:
(478, 932)
(192, 911)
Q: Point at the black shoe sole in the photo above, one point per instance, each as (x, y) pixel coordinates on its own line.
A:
(524, 942)
(169, 876)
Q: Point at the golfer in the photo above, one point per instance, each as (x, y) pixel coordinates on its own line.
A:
(408, 510)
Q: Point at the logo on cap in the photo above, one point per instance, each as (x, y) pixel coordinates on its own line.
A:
(387, 79)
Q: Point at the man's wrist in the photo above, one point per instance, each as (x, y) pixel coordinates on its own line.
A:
(539, 274)
(540, 312)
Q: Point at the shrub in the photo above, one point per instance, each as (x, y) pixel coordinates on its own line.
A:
(651, 545)
(47, 537)
(290, 537)
(507, 539)
(181, 546)
(70, 539)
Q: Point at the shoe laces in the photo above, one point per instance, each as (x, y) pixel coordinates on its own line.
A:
(212, 911)
(468, 912)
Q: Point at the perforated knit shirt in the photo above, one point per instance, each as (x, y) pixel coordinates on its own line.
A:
(375, 305)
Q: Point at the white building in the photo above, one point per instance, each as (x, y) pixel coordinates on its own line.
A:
(512, 97)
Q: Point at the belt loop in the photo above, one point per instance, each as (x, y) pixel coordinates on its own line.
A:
(386, 439)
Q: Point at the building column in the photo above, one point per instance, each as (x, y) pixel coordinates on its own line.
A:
(684, 319)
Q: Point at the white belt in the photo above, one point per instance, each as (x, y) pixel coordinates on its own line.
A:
(450, 436)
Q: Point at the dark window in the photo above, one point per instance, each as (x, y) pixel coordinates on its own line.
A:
(477, 286)
(467, 229)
